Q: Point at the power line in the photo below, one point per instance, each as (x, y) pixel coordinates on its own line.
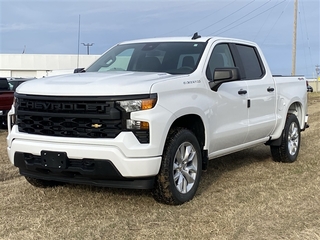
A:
(226, 16)
(188, 25)
(173, 10)
(275, 23)
(262, 25)
(244, 16)
(307, 32)
(247, 19)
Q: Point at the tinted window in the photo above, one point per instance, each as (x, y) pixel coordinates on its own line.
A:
(14, 84)
(169, 57)
(220, 57)
(250, 61)
(4, 84)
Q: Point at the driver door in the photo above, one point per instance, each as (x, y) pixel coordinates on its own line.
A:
(229, 111)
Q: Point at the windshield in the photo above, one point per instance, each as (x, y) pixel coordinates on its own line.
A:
(169, 57)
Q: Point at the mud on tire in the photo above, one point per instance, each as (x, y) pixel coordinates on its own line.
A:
(180, 170)
(290, 143)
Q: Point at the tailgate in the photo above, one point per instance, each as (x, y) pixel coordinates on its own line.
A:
(6, 100)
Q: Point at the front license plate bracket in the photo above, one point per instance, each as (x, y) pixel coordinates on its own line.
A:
(54, 159)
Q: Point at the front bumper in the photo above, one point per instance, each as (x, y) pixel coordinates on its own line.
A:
(86, 171)
(110, 165)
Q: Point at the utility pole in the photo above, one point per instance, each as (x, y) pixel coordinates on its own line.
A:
(293, 71)
(318, 74)
(78, 43)
(87, 45)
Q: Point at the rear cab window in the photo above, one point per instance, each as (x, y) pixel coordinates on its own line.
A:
(251, 62)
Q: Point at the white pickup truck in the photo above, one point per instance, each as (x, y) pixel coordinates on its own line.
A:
(150, 113)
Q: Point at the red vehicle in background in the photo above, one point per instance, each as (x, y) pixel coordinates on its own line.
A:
(6, 99)
(7, 89)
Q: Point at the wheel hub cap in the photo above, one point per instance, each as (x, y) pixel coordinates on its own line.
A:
(185, 167)
(293, 138)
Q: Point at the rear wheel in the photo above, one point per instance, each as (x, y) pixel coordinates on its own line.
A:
(180, 170)
(43, 183)
(290, 144)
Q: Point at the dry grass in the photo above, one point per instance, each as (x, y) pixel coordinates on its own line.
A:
(242, 196)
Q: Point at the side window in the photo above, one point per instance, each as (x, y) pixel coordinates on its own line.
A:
(220, 57)
(4, 84)
(251, 62)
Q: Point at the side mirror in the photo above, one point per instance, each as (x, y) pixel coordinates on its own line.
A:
(79, 70)
(222, 75)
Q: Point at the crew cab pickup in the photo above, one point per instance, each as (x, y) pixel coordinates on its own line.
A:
(6, 99)
(149, 114)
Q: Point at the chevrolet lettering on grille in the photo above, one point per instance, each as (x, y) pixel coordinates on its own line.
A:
(63, 106)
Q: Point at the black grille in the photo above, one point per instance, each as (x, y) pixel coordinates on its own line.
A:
(84, 117)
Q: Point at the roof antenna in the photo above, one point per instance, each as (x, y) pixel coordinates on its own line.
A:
(195, 36)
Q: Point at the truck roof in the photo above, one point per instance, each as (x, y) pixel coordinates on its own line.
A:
(185, 39)
(168, 39)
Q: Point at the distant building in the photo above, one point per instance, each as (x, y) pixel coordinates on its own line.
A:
(44, 65)
(41, 65)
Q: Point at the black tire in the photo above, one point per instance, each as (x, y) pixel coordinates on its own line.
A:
(288, 151)
(180, 170)
(3, 123)
(40, 183)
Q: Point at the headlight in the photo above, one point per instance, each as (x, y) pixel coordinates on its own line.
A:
(137, 105)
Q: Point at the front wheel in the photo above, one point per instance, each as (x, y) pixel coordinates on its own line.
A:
(180, 170)
(290, 144)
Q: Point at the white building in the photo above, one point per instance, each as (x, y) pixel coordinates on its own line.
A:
(41, 65)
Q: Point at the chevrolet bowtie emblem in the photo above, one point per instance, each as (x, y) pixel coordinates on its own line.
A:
(96, 125)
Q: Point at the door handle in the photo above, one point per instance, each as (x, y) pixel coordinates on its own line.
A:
(242, 92)
(270, 89)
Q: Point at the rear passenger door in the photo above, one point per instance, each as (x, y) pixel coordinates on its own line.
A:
(261, 93)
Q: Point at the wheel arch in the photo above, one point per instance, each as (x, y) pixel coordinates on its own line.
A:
(296, 109)
(196, 125)
(289, 144)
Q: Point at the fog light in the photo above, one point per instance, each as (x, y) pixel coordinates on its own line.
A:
(137, 125)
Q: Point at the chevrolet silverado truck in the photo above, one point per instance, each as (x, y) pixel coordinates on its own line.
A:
(6, 99)
(150, 113)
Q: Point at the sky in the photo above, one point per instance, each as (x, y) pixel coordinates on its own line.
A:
(52, 27)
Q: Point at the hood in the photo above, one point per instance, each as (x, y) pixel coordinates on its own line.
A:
(95, 84)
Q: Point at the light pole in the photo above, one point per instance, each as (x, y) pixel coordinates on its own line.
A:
(318, 74)
(87, 45)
